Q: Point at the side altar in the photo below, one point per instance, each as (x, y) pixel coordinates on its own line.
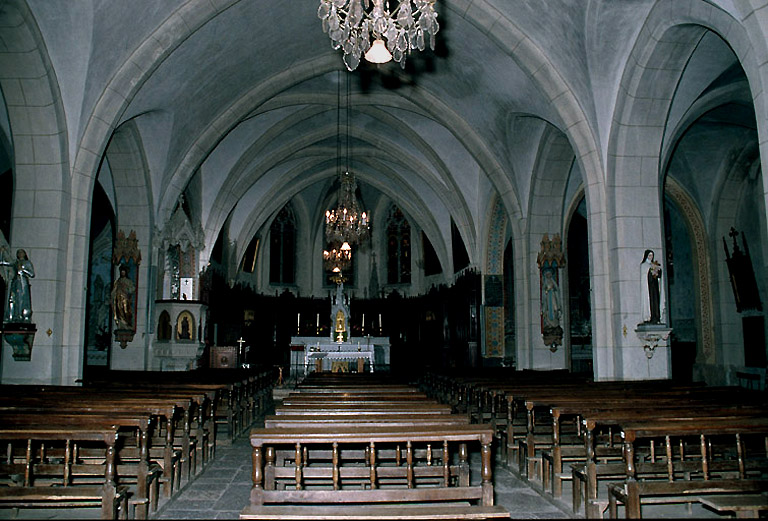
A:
(339, 350)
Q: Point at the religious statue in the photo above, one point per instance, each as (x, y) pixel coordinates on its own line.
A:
(184, 333)
(340, 315)
(340, 328)
(122, 300)
(651, 289)
(19, 302)
(550, 259)
(550, 301)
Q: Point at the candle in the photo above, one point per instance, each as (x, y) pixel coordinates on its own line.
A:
(380, 326)
(298, 319)
(363, 320)
(318, 320)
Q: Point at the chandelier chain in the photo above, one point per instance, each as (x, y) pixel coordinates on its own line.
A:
(346, 224)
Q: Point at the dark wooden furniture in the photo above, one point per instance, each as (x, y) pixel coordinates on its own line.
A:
(36, 481)
(368, 450)
(723, 465)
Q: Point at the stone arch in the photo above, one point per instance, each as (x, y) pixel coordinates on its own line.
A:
(703, 275)
(635, 145)
(41, 190)
(494, 334)
(244, 174)
(554, 162)
(133, 212)
(98, 131)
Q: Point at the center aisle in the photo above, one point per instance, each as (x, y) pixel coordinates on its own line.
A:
(222, 490)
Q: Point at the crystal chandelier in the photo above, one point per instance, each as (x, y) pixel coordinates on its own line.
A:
(361, 30)
(346, 223)
(338, 257)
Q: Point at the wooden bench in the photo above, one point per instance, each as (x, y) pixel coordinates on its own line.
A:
(167, 447)
(278, 491)
(716, 471)
(30, 490)
(572, 448)
(364, 421)
(586, 475)
(747, 506)
(356, 409)
(240, 393)
(133, 465)
(538, 435)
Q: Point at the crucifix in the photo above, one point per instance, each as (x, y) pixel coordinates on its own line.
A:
(240, 353)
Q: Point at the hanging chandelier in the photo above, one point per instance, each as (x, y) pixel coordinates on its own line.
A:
(339, 258)
(378, 32)
(346, 223)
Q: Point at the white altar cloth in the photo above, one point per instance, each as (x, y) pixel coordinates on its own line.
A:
(330, 356)
(301, 345)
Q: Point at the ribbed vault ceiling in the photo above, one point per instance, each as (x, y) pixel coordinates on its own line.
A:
(246, 108)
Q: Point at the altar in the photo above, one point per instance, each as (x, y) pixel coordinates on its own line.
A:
(306, 351)
(336, 351)
(324, 360)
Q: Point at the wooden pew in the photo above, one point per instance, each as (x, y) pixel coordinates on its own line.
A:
(31, 492)
(362, 409)
(131, 464)
(587, 476)
(667, 403)
(68, 401)
(241, 393)
(538, 435)
(381, 420)
(711, 474)
(370, 445)
(746, 506)
(573, 449)
(384, 485)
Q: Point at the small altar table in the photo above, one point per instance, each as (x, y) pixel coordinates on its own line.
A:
(310, 357)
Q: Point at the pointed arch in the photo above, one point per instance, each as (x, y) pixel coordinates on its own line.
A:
(493, 283)
(702, 271)
(133, 211)
(41, 214)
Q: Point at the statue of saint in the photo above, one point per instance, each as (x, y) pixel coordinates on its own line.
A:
(19, 303)
(184, 333)
(651, 289)
(550, 302)
(122, 300)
